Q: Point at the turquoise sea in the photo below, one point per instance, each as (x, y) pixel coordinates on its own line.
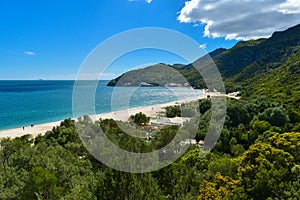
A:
(23, 103)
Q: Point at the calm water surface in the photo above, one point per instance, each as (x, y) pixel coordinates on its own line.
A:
(33, 102)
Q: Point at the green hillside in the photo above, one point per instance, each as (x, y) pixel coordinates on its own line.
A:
(280, 84)
(160, 74)
(163, 74)
(238, 65)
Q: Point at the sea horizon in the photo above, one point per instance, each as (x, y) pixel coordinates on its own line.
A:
(31, 102)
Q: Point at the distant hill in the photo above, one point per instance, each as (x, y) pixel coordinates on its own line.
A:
(161, 74)
(155, 75)
(271, 61)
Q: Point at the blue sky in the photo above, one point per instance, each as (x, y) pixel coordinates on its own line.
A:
(50, 39)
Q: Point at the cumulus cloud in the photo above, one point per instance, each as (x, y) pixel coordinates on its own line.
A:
(148, 1)
(241, 19)
(29, 53)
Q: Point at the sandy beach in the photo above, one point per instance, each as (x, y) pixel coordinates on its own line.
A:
(121, 115)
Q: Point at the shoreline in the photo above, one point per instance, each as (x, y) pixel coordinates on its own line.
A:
(121, 115)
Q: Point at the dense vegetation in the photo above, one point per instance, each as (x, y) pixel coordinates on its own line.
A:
(260, 165)
(159, 74)
(256, 157)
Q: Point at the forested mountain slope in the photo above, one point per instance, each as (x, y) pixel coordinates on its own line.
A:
(237, 65)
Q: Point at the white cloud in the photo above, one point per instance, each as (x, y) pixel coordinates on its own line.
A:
(29, 53)
(148, 1)
(241, 19)
(202, 46)
(290, 7)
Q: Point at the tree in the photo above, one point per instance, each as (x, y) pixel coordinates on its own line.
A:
(221, 188)
(289, 142)
(237, 114)
(204, 105)
(120, 185)
(276, 116)
(173, 111)
(41, 184)
(12, 182)
(265, 171)
(294, 115)
(70, 171)
(224, 166)
(188, 110)
(261, 126)
(164, 137)
(140, 119)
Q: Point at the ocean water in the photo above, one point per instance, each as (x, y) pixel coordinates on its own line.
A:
(23, 103)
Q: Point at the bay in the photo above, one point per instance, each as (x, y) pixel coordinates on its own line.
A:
(23, 103)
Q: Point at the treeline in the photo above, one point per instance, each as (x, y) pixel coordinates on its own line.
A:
(256, 157)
